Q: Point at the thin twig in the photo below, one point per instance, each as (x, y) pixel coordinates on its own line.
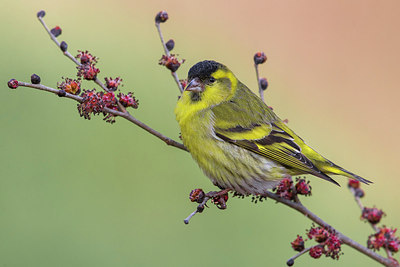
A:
(344, 239)
(260, 90)
(122, 113)
(359, 203)
(66, 53)
(199, 209)
(207, 197)
(126, 115)
(174, 75)
(291, 260)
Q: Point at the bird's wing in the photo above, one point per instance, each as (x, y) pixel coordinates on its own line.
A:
(264, 135)
(275, 144)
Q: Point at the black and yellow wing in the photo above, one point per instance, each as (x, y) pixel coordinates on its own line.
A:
(276, 144)
(247, 122)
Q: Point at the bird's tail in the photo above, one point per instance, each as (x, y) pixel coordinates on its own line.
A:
(335, 169)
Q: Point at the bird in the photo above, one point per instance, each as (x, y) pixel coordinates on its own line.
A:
(237, 140)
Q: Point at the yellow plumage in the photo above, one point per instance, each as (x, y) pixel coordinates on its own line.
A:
(239, 142)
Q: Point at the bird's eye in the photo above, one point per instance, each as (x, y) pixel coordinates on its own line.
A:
(212, 79)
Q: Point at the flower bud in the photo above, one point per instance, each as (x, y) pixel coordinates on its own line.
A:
(359, 193)
(298, 244)
(128, 100)
(112, 84)
(61, 93)
(316, 252)
(373, 215)
(264, 83)
(303, 187)
(197, 195)
(200, 208)
(88, 71)
(259, 58)
(171, 62)
(161, 17)
(63, 46)
(170, 44)
(86, 57)
(56, 31)
(13, 84)
(353, 183)
(290, 262)
(41, 14)
(35, 79)
(320, 234)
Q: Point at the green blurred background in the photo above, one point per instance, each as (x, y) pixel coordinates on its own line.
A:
(84, 193)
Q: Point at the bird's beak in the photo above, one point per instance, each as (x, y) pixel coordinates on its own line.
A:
(195, 85)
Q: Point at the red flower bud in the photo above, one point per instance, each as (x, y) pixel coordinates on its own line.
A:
(318, 233)
(171, 62)
(259, 58)
(333, 247)
(128, 100)
(373, 215)
(353, 183)
(86, 57)
(386, 238)
(316, 252)
(88, 71)
(298, 244)
(70, 86)
(12, 84)
(113, 84)
(92, 103)
(284, 189)
(197, 195)
(303, 187)
(109, 100)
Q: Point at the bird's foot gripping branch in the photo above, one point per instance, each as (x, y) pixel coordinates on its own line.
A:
(109, 101)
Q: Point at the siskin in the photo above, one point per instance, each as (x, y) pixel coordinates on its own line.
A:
(237, 140)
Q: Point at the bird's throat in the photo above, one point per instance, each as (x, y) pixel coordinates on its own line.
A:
(195, 96)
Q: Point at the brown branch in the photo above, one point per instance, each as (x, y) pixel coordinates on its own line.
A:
(199, 209)
(290, 261)
(204, 198)
(260, 90)
(359, 203)
(174, 75)
(122, 113)
(126, 115)
(344, 239)
(66, 53)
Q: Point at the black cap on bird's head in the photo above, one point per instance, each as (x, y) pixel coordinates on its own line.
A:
(204, 69)
(200, 73)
